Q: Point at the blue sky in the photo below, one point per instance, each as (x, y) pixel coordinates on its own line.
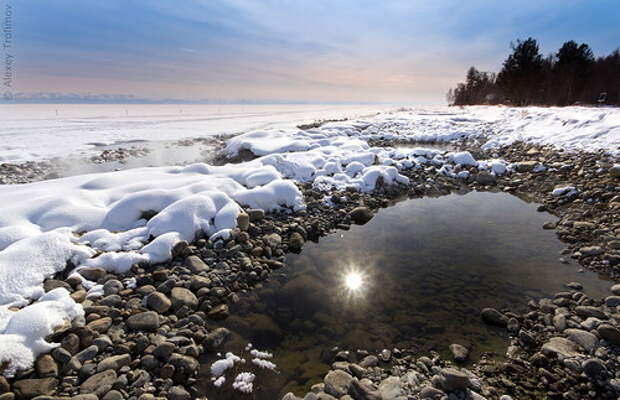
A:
(339, 50)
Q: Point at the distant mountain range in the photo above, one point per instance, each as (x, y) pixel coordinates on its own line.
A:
(104, 98)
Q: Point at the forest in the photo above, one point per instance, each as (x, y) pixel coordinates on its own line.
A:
(571, 76)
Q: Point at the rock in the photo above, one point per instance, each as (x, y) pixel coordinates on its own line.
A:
(51, 284)
(591, 251)
(198, 282)
(112, 300)
(114, 362)
(451, 379)
(612, 301)
(361, 215)
(183, 297)
(215, 338)
(296, 241)
(290, 396)
(178, 393)
(144, 321)
(492, 316)
(195, 264)
(219, 312)
(272, 240)
(100, 383)
(609, 333)
(561, 348)
(113, 395)
(526, 166)
(486, 178)
(583, 338)
(112, 286)
(574, 285)
(46, 366)
(87, 354)
(431, 393)
(164, 350)
(594, 368)
(459, 352)
(337, 383)
(255, 214)
(159, 302)
(363, 390)
(29, 388)
(615, 171)
(615, 289)
(4, 385)
(243, 221)
(186, 363)
(100, 325)
(369, 361)
(391, 388)
(92, 274)
(589, 311)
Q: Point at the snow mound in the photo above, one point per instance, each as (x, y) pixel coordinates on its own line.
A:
(22, 333)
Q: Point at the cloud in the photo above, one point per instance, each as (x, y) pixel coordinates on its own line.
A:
(323, 50)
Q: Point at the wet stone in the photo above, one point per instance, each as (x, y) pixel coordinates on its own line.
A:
(361, 215)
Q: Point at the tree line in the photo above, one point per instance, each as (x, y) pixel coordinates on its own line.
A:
(571, 76)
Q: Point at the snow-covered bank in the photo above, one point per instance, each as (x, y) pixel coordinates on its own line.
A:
(32, 132)
(114, 220)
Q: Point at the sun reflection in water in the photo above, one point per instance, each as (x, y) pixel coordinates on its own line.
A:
(353, 281)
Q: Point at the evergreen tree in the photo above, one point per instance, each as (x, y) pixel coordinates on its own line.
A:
(521, 76)
(572, 70)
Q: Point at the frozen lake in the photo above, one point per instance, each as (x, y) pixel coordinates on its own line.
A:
(42, 131)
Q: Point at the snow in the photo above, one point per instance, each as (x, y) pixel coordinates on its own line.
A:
(243, 382)
(99, 220)
(22, 333)
(42, 131)
(219, 367)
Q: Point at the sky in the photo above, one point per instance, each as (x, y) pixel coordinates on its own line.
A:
(388, 51)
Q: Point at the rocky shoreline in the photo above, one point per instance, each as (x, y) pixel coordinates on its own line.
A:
(144, 336)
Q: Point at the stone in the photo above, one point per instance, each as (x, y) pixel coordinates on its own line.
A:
(492, 316)
(361, 215)
(112, 286)
(255, 214)
(369, 361)
(4, 385)
(391, 388)
(431, 393)
(583, 338)
(186, 363)
(290, 396)
(452, 379)
(615, 289)
(113, 395)
(164, 350)
(195, 264)
(183, 297)
(215, 338)
(112, 300)
(100, 383)
(589, 311)
(29, 388)
(46, 366)
(337, 383)
(296, 241)
(612, 301)
(198, 282)
(363, 390)
(459, 352)
(615, 171)
(591, 251)
(609, 333)
(486, 178)
(561, 348)
(114, 362)
(159, 302)
(100, 325)
(87, 354)
(243, 221)
(92, 274)
(51, 284)
(273, 239)
(526, 166)
(178, 393)
(144, 321)
(219, 312)
(594, 368)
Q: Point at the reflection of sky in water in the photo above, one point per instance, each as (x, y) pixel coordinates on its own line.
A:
(416, 276)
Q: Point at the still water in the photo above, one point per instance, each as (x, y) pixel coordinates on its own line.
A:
(415, 277)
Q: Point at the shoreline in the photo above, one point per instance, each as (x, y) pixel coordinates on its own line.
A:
(206, 284)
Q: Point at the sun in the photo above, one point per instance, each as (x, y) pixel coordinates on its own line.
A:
(353, 281)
